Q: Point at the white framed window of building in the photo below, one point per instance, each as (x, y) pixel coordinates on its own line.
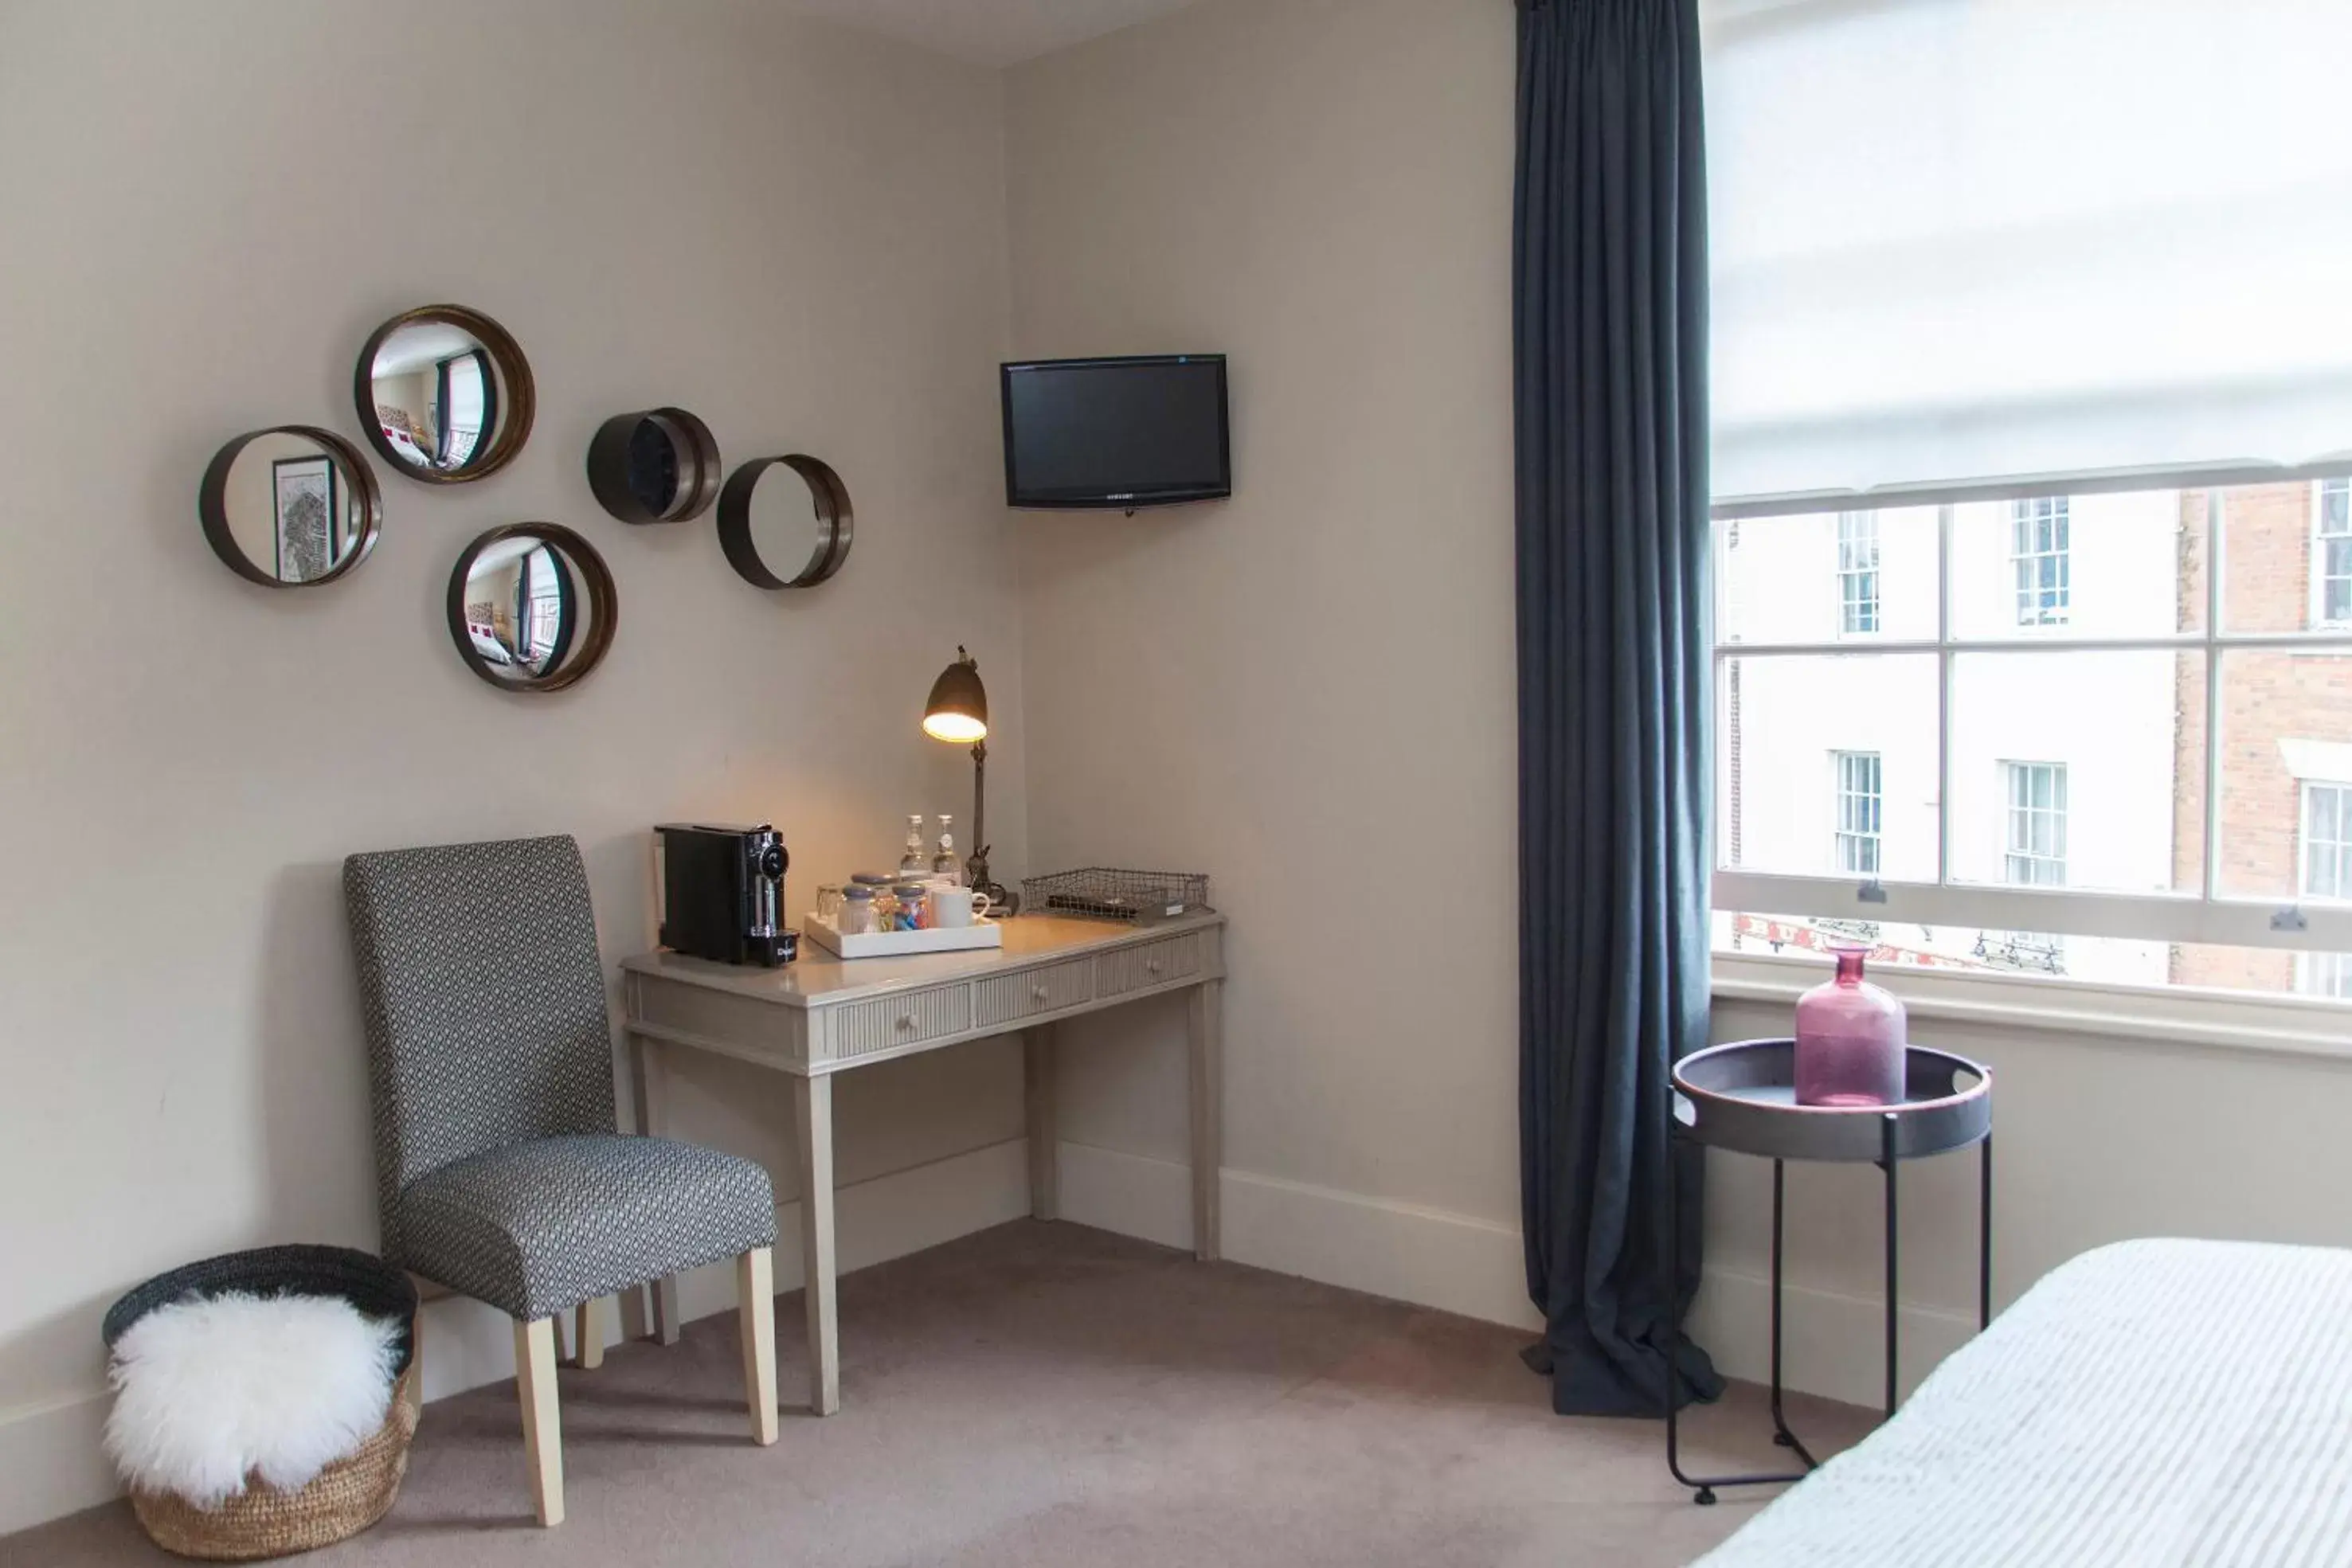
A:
(2040, 557)
(2323, 859)
(1857, 572)
(1860, 811)
(2036, 839)
(2331, 552)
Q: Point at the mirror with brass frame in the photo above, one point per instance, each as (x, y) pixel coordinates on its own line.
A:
(445, 394)
(660, 465)
(531, 607)
(289, 506)
(781, 534)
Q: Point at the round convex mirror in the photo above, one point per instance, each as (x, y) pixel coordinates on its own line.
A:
(289, 506)
(785, 522)
(658, 466)
(445, 394)
(531, 607)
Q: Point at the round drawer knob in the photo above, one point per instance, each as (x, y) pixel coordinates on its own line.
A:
(906, 1020)
(1153, 966)
(1038, 991)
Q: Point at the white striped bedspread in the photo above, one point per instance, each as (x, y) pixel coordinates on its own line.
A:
(2149, 1404)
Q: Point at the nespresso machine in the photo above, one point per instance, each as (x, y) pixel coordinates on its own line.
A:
(723, 893)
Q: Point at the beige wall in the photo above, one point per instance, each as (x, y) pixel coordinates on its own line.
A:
(1305, 691)
(663, 208)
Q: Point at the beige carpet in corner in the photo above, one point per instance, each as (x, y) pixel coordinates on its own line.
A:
(1047, 1394)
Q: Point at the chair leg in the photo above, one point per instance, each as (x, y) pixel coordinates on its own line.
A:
(755, 1303)
(543, 1431)
(588, 1330)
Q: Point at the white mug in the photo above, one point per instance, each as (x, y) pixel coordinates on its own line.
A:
(952, 908)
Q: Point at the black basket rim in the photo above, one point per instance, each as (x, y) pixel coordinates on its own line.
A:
(375, 1287)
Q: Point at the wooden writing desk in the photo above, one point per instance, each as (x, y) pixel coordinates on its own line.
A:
(820, 1015)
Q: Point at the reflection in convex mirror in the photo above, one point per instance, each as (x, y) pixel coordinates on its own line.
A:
(445, 394)
(289, 506)
(531, 607)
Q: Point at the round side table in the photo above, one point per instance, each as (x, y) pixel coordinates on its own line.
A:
(1742, 1097)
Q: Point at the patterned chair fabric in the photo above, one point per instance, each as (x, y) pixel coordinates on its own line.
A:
(490, 1064)
(535, 1228)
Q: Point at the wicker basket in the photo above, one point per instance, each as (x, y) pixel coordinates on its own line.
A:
(349, 1494)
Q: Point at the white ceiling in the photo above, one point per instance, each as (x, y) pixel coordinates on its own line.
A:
(989, 32)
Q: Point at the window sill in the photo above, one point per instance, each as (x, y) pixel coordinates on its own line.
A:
(2284, 1026)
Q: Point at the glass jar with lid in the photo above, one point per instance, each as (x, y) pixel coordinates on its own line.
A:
(908, 913)
(858, 914)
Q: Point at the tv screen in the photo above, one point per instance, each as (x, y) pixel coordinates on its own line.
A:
(1116, 432)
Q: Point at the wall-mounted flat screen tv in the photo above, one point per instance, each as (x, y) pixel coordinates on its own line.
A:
(1115, 434)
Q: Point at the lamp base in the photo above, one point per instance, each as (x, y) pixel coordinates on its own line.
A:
(976, 877)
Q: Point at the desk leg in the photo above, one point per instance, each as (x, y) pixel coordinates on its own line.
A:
(1206, 1028)
(1044, 1129)
(812, 1103)
(652, 1085)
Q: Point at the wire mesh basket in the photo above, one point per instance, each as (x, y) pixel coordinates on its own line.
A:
(1101, 893)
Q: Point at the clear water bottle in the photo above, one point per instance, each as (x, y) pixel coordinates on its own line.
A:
(945, 867)
(914, 862)
(1850, 1039)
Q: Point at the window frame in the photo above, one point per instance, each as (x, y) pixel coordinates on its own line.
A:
(1843, 833)
(2057, 550)
(2316, 575)
(2202, 914)
(2327, 974)
(1857, 530)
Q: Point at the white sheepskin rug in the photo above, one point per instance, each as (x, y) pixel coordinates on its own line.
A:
(209, 1391)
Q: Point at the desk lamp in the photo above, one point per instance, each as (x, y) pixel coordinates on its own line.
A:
(958, 712)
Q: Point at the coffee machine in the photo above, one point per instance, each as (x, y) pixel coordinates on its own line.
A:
(722, 893)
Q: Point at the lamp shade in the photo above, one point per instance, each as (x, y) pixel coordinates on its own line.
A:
(958, 708)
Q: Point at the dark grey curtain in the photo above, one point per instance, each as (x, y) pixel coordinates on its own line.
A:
(1610, 318)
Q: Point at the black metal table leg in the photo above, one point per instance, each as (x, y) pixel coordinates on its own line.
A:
(1703, 1487)
(1782, 1435)
(1888, 1162)
(1984, 1233)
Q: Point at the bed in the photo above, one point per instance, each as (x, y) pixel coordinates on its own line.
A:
(2148, 1404)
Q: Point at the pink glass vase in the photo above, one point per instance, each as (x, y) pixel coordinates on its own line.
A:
(1850, 1039)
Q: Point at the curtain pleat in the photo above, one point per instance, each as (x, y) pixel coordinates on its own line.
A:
(1610, 323)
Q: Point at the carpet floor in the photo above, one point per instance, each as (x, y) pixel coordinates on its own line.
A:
(1047, 1394)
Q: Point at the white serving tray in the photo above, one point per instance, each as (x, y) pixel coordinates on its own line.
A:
(895, 944)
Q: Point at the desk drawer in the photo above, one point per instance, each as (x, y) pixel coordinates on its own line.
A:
(1159, 963)
(1049, 989)
(892, 1022)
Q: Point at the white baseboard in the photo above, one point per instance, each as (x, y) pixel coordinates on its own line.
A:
(1130, 1194)
(52, 1464)
(1455, 1262)
(1832, 1343)
(1460, 1263)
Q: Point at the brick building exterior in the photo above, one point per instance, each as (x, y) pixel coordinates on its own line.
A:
(2270, 699)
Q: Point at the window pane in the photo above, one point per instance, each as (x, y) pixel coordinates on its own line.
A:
(2286, 752)
(2068, 771)
(1827, 577)
(1896, 945)
(2281, 574)
(2078, 566)
(1813, 748)
(1906, 944)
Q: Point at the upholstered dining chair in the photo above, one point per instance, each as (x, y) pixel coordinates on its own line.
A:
(500, 1172)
